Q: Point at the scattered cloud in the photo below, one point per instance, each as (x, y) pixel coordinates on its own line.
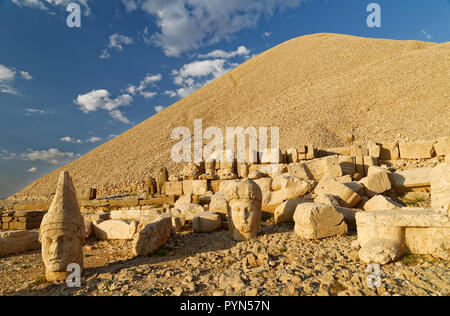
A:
(7, 76)
(159, 108)
(52, 156)
(48, 5)
(94, 140)
(426, 35)
(6, 155)
(100, 99)
(117, 42)
(185, 25)
(31, 111)
(267, 34)
(32, 170)
(240, 51)
(195, 75)
(25, 75)
(148, 95)
(68, 139)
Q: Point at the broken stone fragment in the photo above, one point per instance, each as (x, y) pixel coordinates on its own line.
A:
(152, 236)
(284, 213)
(440, 186)
(377, 182)
(380, 251)
(115, 230)
(380, 202)
(345, 195)
(317, 221)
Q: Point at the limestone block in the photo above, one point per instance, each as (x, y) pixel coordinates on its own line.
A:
(178, 219)
(380, 202)
(349, 214)
(174, 188)
(316, 169)
(284, 213)
(317, 221)
(440, 186)
(152, 236)
(412, 178)
(389, 151)
(115, 230)
(374, 150)
(357, 152)
(345, 195)
(376, 183)
(327, 199)
(355, 187)
(271, 155)
(190, 210)
(310, 152)
(380, 251)
(265, 184)
(348, 165)
(218, 203)
(292, 155)
(369, 162)
(417, 231)
(442, 147)
(206, 222)
(17, 242)
(417, 150)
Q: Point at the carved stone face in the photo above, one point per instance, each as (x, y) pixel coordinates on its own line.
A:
(245, 215)
(59, 249)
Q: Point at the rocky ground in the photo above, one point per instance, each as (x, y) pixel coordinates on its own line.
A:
(275, 263)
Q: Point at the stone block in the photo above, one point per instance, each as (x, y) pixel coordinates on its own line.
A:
(377, 182)
(442, 147)
(380, 202)
(292, 155)
(417, 150)
(174, 188)
(115, 230)
(152, 236)
(206, 222)
(284, 213)
(389, 151)
(17, 242)
(345, 195)
(317, 221)
(412, 178)
(440, 186)
(218, 203)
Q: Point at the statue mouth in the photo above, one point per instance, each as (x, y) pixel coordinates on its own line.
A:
(56, 260)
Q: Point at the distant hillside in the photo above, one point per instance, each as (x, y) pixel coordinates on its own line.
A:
(317, 88)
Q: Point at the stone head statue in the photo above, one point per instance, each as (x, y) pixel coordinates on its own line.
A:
(62, 231)
(244, 201)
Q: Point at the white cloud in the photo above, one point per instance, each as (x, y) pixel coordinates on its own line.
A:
(6, 155)
(185, 25)
(100, 99)
(52, 156)
(117, 41)
(68, 139)
(148, 95)
(240, 51)
(94, 140)
(427, 35)
(31, 111)
(159, 108)
(25, 75)
(267, 34)
(105, 54)
(7, 76)
(32, 170)
(46, 5)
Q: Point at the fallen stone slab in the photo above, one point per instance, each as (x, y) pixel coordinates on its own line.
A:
(317, 221)
(412, 179)
(380, 202)
(346, 196)
(417, 150)
(327, 199)
(152, 236)
(316, 169)
(115, 230)
(19, 241)
(409, 230)
(206, 222)
(219, 203)
(389, 151)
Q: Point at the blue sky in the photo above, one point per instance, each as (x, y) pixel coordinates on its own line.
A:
(65, 91)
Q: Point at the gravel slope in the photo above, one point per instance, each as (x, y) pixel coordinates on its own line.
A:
(317, 88)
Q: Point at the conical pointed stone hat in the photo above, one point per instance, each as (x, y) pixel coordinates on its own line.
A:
(64, 212)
